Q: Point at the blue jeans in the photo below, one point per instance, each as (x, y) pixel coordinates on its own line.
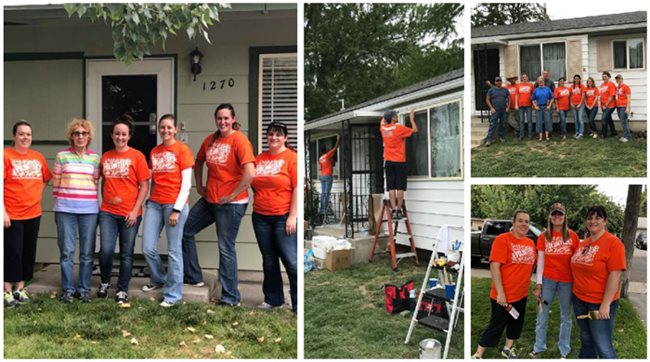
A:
(157, 216)
(228, 219)
(607, 120)
(562, 122)
(325, 189)
(592, 119)
(525, 113)
(595, 335)
(543, 120)
(110, 226)
(67, 226)
(622, 115)
(200, 217)
(275, 246)
(499, 117)
(578, 118)
(549, 289)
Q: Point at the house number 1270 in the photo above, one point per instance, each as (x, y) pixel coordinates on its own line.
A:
(214, 85)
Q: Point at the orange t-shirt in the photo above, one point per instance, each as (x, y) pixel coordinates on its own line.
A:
(326, 164)
(122, 172)
(394, 136)
(224, 159)
(24, 178)
(576, 94)
(557, 255)
(607, 90)
(276, 176)
(591, 265)
(562, 95)
(524, 90)
(622, 93)
(167, 163)
(517, 258)
(590, 96)
(513, 91)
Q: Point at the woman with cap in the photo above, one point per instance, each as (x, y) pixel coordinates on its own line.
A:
(555, 246)
(623, 99)
(326, 162)
(512, 258)
(597, 266)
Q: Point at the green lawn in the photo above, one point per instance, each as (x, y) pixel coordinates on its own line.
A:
(46, 328)
(573, 158)
(629, 333)
(345, 315)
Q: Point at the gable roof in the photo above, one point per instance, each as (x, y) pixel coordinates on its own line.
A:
(624, 19)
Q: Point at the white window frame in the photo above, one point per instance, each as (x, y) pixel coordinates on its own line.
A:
(627, 53)
(541, 55)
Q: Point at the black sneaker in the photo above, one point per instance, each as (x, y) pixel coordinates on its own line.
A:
(67, 297)
(226, 304)
(195, 284)
(102, 292)
(85, 297)
(149, 287)
(121, 297)
(10, 301)
(393, 214)
(399, 214)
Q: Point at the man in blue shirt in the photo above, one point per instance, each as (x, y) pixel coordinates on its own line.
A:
(498, 99)
(542, 99)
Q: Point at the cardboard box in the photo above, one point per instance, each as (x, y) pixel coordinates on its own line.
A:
(338, 259)
(375, 202)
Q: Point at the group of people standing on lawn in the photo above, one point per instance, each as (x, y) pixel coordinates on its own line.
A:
(127, 178)
(584, 274)
(514, 103)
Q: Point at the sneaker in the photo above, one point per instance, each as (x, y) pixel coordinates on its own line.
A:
(509, 352)
(268, 306)
(476, 356)
(226, 304)
(579, 137)
(102, 292)
(564, 356)
(488, 143)
(21, 296)
(85, 297)
(121, 297)
(563, 138)
(149, 287)
(594, 135)
(10, 301)
(393, 214)
(67, 297)
(399, 215)
(196, 284)
(623, 139)
(166, 304)
(534, 354)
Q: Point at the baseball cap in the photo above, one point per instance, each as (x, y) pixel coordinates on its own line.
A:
(498, 79)
(388, 115)
(557, 207)
(618, 76)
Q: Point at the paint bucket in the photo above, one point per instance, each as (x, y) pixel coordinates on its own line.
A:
(433, 282)
(450, 290)
(430, 349)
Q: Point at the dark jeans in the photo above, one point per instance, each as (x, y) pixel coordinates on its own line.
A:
(562, 115)
(608, 121)
(592, 119)
(111, 226)
(200, 217)
(498, 118)
(325, 189)
(275, 246)
(500, 319)
(20, 249)
(623, 116)
(595, 335)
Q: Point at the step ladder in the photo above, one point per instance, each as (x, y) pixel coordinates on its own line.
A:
(453, 306)
(393, 229)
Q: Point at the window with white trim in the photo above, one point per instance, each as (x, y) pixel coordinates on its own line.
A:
(278, 95)
(628, 54)
(533, 59)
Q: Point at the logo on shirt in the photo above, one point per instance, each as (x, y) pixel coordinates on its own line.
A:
(523, 254)
(269, 167)
(577, 90)
(604, 89)
(557, 246)
(116, 167)
(388, 131)
(218, 154)
(590, 92)
(26, 169)
(563, 92)
(163, 161)
(525, 89)
(585, 255)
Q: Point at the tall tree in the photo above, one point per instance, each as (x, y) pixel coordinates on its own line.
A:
(628, 237)
(356, 52)
(644, 203)
(489, 14)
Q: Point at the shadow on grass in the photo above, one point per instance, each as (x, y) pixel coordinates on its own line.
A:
(629, 333)
(345, 315)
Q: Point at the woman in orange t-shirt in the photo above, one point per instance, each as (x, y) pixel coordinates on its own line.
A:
(554, 249)
(512, 258)
(126, 183)
(326, 162)
(275, 211)
(592, 94)
(562, 95)
(25, 176)
(597, 266)
(171, 175)
(228, 155)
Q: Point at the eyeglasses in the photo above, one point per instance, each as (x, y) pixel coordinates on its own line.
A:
(80, 134)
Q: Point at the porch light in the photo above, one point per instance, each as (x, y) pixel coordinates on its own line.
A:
(195, 59)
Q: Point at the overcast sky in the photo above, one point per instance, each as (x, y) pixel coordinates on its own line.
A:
(617, 191)
(566, 9)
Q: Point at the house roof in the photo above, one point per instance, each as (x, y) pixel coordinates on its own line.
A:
(443, 78)
(623, 20)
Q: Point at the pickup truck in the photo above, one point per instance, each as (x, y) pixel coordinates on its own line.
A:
(482, 239)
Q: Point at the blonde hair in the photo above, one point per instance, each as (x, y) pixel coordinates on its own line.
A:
(83, 123)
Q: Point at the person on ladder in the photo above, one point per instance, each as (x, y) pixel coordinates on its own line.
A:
(394, 136)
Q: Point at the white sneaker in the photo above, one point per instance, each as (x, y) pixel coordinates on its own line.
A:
(266, 305)
(166, 304)
(623, 139)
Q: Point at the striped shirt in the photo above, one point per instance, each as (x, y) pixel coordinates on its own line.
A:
(75, 182)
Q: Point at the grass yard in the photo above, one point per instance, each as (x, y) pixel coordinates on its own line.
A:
(629, 333)
(345, 315)
(573, 158)
(46, 328)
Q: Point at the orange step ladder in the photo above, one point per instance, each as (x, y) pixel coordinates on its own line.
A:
(392, 230)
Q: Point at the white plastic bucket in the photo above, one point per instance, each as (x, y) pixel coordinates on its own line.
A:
(430, 349)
